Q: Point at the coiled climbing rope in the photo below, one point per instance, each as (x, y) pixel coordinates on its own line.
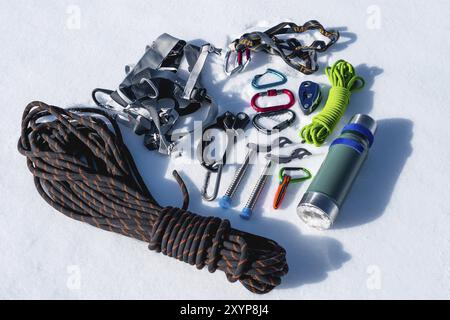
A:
(344, 82)
(83, 169)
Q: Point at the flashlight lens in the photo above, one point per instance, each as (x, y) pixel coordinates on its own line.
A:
(314, 217)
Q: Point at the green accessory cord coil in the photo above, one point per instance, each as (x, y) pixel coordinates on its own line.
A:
(344, 82)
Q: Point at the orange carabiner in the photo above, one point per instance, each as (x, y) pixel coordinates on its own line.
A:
(286, 179)
(281, 192)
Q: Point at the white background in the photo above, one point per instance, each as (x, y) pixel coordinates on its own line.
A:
(392, 238)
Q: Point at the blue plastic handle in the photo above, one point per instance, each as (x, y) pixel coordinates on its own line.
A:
(246, 213)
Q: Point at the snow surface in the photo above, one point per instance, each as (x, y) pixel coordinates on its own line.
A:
(392, 238)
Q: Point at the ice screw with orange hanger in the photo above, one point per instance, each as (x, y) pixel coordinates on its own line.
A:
(286, 178)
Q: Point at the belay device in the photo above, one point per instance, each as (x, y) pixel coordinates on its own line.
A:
(152, 96)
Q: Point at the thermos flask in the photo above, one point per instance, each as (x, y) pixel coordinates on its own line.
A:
(326, 194)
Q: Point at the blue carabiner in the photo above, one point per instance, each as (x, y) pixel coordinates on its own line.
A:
(258, 86)
(310, 96)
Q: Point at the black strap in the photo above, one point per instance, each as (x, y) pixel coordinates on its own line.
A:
(300, 57)
(100, 90)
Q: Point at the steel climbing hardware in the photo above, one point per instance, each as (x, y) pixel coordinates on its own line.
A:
(152, 97)
(217, 168)
(286, 178)
(247, 212)
(310, 96)
(258, 77)
(272, 93)
(298, 153)
(301, 57)
(274, 115)
(253, 149)
(242, 58)
(230, 124)
(82, 168)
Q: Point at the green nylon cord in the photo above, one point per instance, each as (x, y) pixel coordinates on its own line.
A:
(344, 82)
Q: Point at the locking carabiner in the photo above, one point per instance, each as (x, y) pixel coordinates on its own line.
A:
(282, 77)
(239, 63)
(272, 93)
(285, 180)
(272, 115)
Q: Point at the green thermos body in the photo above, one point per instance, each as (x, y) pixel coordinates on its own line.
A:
(326, 194)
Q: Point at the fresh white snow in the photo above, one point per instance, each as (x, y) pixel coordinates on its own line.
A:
(392, 238)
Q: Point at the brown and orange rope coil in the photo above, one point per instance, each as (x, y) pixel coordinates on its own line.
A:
(83, 169)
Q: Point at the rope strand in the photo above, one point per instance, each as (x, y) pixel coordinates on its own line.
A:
(344, 82)
(83, 169)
